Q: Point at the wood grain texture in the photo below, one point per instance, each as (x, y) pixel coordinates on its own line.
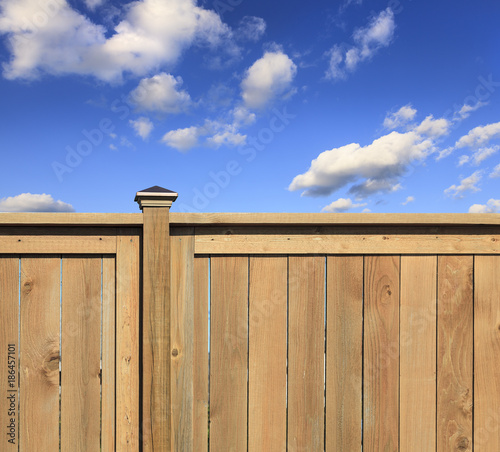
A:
(182, 338)
(418, 353)
(156, 394)
(40, 356)
(108, 353)
(214, 241)
(344, 359)
(127, 343)
(57, 244)
(229, 353)
(9, 351)
(381, 354)
(73, 219)
(306, 360)
(454, 353)
(81, 338)
(486, 353)
(267, 354)
(200, 354)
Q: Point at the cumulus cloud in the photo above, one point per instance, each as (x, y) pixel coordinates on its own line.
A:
(367, 42)
(251, 28)
(142, 126)
(161, 93)
(370, 169)
(183, 139)
(479, 136)
(401, 118)
(492, 206)
(478, 155)
(227, 138)
(51, 37)
(408, 200)
(496, 172)
(27, 202)
(341, 205)
(466, 110)
(466, 184)
(269, 77)
(93, 4)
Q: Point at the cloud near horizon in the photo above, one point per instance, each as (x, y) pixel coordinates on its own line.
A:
(27, 202)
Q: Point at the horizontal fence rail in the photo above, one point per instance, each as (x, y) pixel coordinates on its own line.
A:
(249, 332)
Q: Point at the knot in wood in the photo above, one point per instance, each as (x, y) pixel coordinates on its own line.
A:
(463, 443)
(175, 352)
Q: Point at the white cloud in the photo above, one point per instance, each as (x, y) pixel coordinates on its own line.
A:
(161, 93)
(496, 172)
(242, 117)
(479, 136)
(183, 139)
(251, 28)
(408, 200)
(113, 147)
(269, 77)
(227, 138)
(52, 37)
(492, 206)
(400, 118)
(368, 41)
(93, 4)
(478, 155)
(466, 184)
(377, 167)
(341, 205)
(27, 202)
(466, 110)
(142, 126)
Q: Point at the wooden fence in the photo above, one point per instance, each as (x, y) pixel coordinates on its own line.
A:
(249, 332)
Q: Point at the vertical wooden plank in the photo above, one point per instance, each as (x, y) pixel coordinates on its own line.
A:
(344, 350)
(418, 353)
(486, 353)
(182, 337)
(306, 359)
(9, 351)
(127, 341)
(229, 353)
(108, 353)
(454, 349)
(267, 354)
(156, 350)
(39, 386)
(381, 354)
(81, 337)
(200, 358)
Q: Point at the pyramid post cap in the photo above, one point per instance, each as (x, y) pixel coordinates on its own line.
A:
(155, 197)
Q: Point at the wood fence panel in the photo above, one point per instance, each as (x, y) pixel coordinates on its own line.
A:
(40, 355)
(344, 359)
(229, 353)
(267, 354)
(108, 353)
(200, 358)
(454, 353)
(487, 353)
(81, 337)
(9, 351)
(306, 342)
(418, 353)
(381, 354)
(182, 333)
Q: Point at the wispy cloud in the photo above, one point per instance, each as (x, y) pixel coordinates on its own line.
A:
(408, 200)
(27, 202)
(342, 205)
(466, 184)
(401, 118)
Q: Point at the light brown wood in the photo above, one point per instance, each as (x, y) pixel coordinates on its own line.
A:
(486, 353)
(306, 359)
(267, 354)
(454, 353)
(417, 430)
(108, 353)
(332, 218)
(381, 354)
(344, 359)
(229, 353)
(77, 219)
(127, 342)
(39, 385)
(80, 373)
(182, 334)
(329, 240)
(200, 357)
(9, 351)
(156, 349)
(57, 244)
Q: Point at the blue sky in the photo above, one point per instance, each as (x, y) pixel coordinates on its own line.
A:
(248, 106)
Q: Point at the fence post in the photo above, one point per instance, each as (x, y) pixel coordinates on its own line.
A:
(155, 203)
